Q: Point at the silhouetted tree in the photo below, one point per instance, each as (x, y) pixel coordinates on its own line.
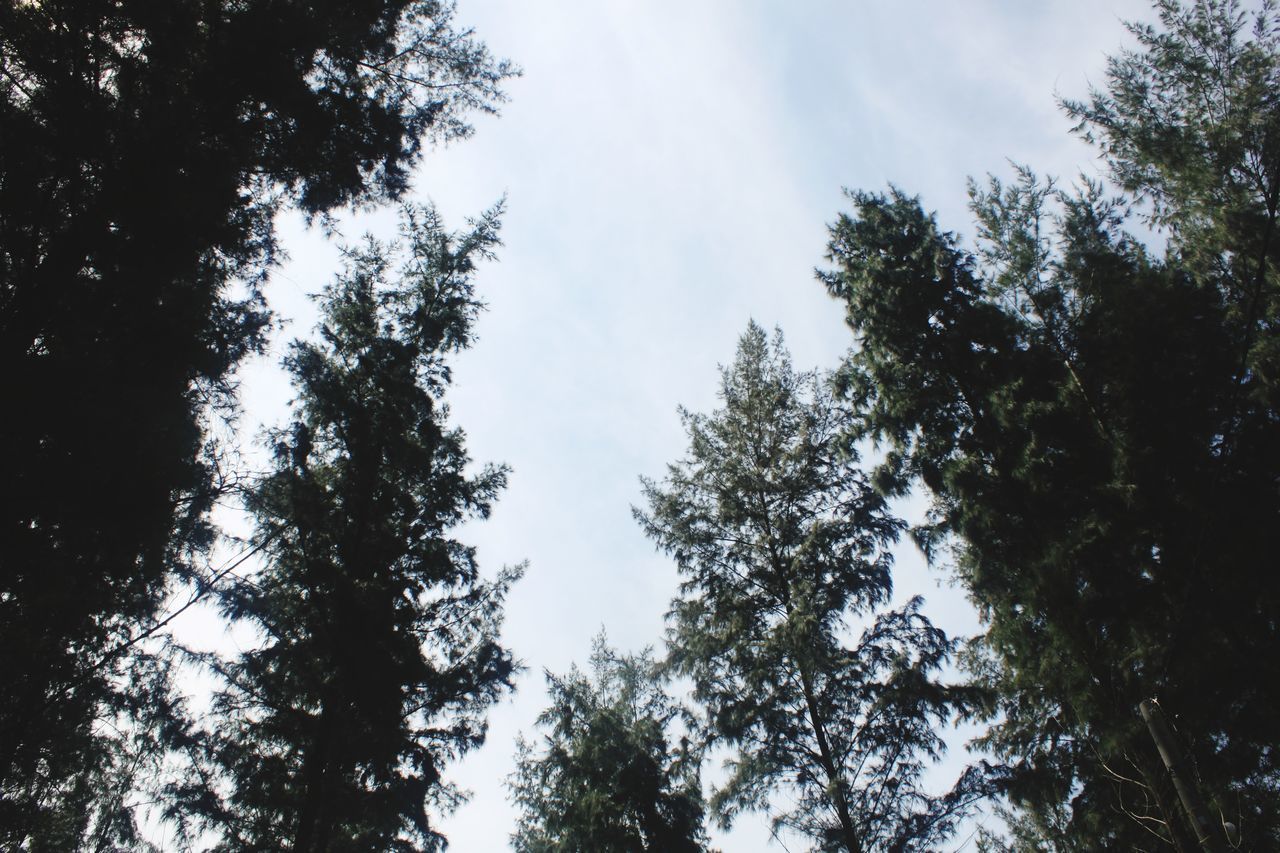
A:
(381, 651)
(1098, 426)
(146, 149)
(781, 542)
(609, 778)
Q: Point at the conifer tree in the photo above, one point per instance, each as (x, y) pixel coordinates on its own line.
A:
(1097, 423)
(782, 543)
(146, 150)
(609, 778)
(380, 650)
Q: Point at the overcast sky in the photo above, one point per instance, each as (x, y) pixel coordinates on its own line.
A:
(670, 169)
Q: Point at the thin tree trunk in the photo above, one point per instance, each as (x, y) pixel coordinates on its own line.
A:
(828, 765)
(834, 782)
(1175, 763)
(1179, 836)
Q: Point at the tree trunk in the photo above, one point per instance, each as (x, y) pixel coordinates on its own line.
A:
(1176, 765)
(834, 782)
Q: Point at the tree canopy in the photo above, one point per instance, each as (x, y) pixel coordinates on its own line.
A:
(1096, 421)
(147, 148)
(1087, 389)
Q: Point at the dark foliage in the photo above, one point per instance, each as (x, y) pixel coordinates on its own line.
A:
(145, 148)
(381, 649)
(1099, 429)
(608, 778)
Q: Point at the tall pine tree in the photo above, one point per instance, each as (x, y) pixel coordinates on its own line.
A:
(782, 543)
(381, 651)
(1097, 424)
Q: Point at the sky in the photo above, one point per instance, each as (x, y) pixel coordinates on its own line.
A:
(669, 170)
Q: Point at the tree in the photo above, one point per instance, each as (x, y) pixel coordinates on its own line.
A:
(1097, 425)
(381, 650)
(781, 542)
(608, 777)
(147, 148)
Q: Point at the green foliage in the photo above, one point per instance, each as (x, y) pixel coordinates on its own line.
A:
(381, 650)
(125, 756)
(608, 777)
(781, 542)
(1099, 431)
(147, 148)
(1189, 122)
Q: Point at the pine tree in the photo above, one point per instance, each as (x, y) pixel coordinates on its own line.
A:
(1097, 425)
(782, 542)
(381, 650)
(146, 150)
(608, 778)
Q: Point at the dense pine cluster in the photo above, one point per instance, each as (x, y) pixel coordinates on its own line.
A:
(1097, 422)
(144, 153)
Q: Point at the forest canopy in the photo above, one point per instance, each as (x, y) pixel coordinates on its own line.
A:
(1071, 413)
